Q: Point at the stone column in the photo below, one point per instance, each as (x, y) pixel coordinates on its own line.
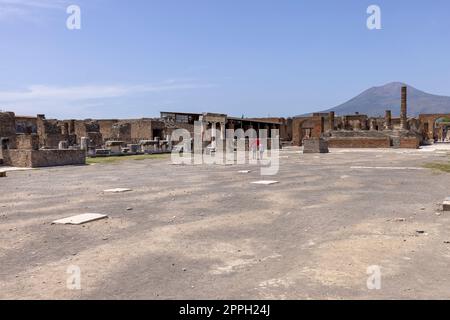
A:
(404, 109)
(345, 123)
(222, 131)
(331, 120)
(388, 120)
(71, 126)
(213, 135)
(65, 129)
(84, 143)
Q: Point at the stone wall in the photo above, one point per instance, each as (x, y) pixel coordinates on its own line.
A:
(88, 128)
(50, 132)
(17, 158)
(106, 128)
(8, 127)
(26, 125)
(43, 158)
(141, 130)
(27, 141)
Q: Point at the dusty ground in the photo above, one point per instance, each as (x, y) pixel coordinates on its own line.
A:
(205, 232)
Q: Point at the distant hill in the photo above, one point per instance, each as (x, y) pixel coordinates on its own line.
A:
(376, 100)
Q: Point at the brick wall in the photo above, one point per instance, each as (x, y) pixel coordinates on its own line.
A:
(300, 124)
(355, 142)
(409, 143)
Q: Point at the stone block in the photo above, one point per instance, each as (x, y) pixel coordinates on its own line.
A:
(315, 145)
(446, 204)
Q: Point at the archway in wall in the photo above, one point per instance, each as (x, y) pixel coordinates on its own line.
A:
(306, 130)
(442, 129)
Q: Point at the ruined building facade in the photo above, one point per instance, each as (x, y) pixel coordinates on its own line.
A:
(37, 141)
(362, 131)
(29, 141)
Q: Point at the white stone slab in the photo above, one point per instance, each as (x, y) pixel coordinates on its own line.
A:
(117, 190)
(244, 171)
(11, 169)
(265, 182)
(81, 219)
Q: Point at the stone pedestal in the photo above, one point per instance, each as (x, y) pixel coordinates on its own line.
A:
(388, 120)
(331, 118)
(2, 174)
(84, 144)
(315, 145)
(63, 145)
(446, 204)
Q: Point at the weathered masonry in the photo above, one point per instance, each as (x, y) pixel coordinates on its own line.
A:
(22, 150)
(39, 142)
(361, 131)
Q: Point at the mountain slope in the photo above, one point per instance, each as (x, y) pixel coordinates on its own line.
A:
(376, 100)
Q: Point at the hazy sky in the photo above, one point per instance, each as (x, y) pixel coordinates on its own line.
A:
(254, 57)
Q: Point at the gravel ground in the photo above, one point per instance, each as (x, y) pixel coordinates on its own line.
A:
(206, 232)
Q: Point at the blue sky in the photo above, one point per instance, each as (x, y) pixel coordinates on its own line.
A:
(253, 57)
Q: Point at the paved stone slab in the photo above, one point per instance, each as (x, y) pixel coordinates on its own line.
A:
(117, 190)
(81, 219)
(265, 182)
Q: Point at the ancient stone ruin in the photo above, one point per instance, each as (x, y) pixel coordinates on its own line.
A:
(361, 131)
(36, 141)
